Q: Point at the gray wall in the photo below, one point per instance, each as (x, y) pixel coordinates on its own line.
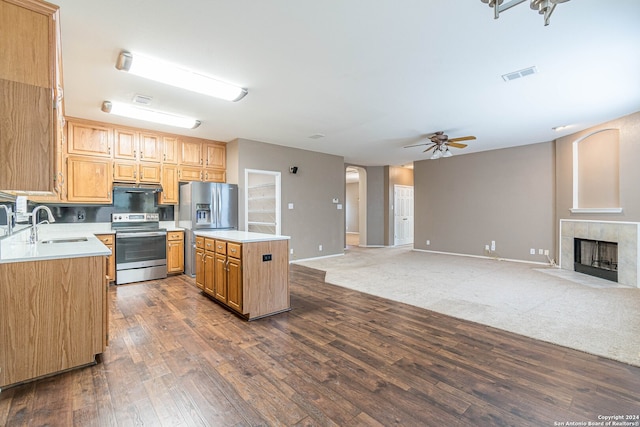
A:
(464, 202)
(315, 219)
(352, 206)
(375, 205)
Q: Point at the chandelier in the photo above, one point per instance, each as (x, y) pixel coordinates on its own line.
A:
(544, 7)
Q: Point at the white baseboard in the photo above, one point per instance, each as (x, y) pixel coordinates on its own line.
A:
(485, 257)
(293, 261)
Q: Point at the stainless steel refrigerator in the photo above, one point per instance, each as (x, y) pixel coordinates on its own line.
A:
(205, 206)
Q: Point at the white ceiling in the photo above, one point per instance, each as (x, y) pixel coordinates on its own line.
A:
(371, 76)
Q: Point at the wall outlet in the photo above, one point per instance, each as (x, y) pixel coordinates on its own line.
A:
(546, 252)
(290, 205)
(486, 247)
(493, 245)
(428, 242)
(532, 251)
(291, 251)
(320, 248)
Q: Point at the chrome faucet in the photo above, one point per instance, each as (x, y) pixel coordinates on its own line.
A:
(7, 210)
(34, 220)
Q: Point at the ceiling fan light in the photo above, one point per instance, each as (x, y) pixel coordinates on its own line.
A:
(154, 116)
(447, 153)
(174, 75)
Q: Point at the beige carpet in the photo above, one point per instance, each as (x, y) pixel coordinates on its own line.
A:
(565, 308)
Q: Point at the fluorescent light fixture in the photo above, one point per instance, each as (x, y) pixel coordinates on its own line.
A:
(133, 112)
(174, 75)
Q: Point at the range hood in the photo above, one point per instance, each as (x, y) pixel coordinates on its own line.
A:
(127, 187)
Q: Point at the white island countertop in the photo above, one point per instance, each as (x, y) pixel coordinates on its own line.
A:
(239, 236)
(16, 248)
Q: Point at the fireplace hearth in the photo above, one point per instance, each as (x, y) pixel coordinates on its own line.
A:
(596, 258)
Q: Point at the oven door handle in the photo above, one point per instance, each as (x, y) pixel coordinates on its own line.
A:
(143, 234)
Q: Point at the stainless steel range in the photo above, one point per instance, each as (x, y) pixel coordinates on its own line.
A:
(141, 247)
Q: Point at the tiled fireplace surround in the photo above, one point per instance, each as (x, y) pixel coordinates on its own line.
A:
(625, 234)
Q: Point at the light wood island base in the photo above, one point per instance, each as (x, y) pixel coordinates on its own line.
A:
(245, 272)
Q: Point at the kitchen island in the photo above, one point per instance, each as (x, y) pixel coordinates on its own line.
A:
(244, 271)
(53, 299)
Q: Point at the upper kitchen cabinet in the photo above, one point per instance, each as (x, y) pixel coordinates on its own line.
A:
(31, 93)
(190, 152)
(132, 145)
(215, 155)
(89, 138)
(170, 150)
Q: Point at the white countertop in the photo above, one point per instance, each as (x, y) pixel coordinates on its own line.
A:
(17, 248)
(239, 236)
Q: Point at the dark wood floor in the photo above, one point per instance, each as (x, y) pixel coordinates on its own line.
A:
(338, 358)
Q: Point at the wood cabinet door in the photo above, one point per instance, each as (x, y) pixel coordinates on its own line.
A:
(221, 277)
(89, 139)
(125, 171)
(107, 240)
(169, 182)
(150, 147)
(149, 172)
(125, 144)
(26, 43)
(170, 150)
(214, 175)
(209, 273)
(175, 256)
(190, 152)
(215, 155)
(26, 137)
(90, 179)
(200, 268)
(234, 284)
(186, 174)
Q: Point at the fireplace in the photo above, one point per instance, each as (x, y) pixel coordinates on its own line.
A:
(596, 258)
(625, 234)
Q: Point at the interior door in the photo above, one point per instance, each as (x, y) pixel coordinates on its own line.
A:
(403, 214)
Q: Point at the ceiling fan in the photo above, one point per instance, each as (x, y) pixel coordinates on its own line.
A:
(440, 143)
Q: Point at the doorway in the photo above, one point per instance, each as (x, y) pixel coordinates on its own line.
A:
(355, 206)
(403, 215)
(262, 201)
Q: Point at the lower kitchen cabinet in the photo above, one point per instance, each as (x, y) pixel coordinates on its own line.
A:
(107, 240)
(175, 252)
(200, 262)
(250, 278)
(58, 316)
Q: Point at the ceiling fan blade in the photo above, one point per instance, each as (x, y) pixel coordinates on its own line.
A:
(417, 145)
(462, 138)
(434, 145)
(455, 144)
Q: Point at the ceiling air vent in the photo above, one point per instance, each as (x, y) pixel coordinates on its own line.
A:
(142, 100)
(520, 73)
(317, 136)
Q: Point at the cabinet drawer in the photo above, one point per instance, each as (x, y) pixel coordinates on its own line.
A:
(107, 239)
(177, 235)
(234, 250)
(209, 245)
(200, 242)
(221, 247)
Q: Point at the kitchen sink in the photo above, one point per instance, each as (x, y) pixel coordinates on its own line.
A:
(66, 240)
